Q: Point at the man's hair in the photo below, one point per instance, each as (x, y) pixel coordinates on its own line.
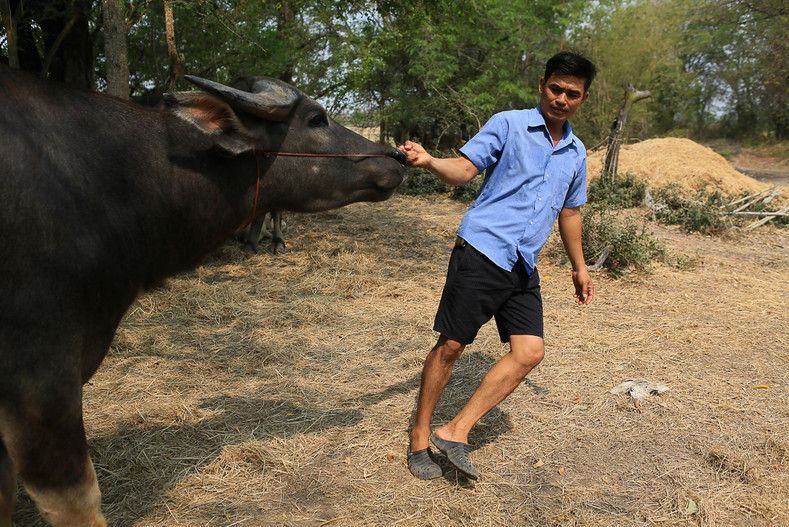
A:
(567, 63)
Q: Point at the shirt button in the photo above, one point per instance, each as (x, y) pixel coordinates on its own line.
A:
(531, 223)
(539, 199)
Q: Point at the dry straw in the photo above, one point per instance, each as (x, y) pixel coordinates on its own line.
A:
(262, 390)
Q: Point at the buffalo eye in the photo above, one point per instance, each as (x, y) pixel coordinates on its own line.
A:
(318, 121)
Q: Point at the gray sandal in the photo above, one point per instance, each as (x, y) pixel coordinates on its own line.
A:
(423, 465)
(458, 454)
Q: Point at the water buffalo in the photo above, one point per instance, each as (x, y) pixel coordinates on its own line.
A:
(104, 198)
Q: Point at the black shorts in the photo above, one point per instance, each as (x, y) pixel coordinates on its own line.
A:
(477, 289)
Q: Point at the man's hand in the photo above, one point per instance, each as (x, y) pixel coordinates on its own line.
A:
(416, 155)
(584, 288)
(454, 171)
(570, 228)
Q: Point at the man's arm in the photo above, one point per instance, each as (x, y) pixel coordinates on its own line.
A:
(454, 171)
(570, 229)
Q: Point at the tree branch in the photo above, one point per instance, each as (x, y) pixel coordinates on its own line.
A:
(56, 44)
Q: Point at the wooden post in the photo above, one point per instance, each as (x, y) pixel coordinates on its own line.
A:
(611, 164)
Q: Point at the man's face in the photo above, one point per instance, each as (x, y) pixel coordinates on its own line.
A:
(560, 97)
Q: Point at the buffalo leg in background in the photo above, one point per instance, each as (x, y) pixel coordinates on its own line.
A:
(277, 238)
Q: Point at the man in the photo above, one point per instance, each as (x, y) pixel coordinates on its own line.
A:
(535, 170)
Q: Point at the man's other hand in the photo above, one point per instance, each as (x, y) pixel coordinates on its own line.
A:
(584, 288)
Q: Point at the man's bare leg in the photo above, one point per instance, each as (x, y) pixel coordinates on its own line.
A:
(526, 352)
(435, 375)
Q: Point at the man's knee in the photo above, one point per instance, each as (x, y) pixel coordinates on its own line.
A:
(448, 350)
(527, 350)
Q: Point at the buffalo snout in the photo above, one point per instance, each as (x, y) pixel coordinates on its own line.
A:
(399, 156)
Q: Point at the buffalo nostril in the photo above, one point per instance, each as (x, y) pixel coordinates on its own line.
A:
(398, 155)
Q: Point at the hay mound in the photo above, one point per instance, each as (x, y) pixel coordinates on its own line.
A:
(680, 161)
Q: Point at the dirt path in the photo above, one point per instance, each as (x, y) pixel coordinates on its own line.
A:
(773, 176)
(760, 166)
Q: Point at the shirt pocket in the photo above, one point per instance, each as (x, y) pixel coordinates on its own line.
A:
(560, 186)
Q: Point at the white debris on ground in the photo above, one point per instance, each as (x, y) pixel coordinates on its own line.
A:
(640, 388)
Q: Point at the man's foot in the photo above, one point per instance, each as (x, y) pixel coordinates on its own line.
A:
(423, 465)
(458, 454)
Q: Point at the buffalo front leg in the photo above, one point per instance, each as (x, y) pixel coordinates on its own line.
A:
(7, 487)
(44, 436)
(77, 504)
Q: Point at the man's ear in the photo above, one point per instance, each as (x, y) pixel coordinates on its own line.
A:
(542, 84)
(213, 117)
(584, 97)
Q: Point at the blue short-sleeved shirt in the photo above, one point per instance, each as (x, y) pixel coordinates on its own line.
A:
(527, 182)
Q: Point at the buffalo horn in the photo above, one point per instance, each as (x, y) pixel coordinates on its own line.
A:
(272, 101)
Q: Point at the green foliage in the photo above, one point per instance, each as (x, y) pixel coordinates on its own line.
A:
(704, 211)
(632, 246)
(739, 51)
(420, 182)
(469, 191)
(713, 66)
(452, 62)
(626, 191)
(225, 40)
(634, 42)
(694, 212)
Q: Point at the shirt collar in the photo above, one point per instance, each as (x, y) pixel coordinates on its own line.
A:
(536, 119)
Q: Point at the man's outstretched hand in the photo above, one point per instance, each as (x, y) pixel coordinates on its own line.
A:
(416, 155)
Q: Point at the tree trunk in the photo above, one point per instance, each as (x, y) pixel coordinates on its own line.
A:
(10, 30)
(115, 48)
(383, 131)
(66, 40)
(26, 49)
(175, 60)
(611, 164)
(286, 22)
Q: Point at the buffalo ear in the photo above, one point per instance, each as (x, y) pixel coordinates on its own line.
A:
(213, 117)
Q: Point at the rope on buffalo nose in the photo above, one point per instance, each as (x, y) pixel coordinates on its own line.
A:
(304, 154)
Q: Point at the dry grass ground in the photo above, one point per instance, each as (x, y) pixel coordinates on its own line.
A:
(262, 391)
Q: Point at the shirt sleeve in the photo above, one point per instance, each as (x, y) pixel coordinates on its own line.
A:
(484, 149)
(576, 194)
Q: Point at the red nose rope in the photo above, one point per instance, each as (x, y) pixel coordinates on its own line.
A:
(258, 153)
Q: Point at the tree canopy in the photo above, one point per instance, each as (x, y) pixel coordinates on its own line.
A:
(712, 66)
